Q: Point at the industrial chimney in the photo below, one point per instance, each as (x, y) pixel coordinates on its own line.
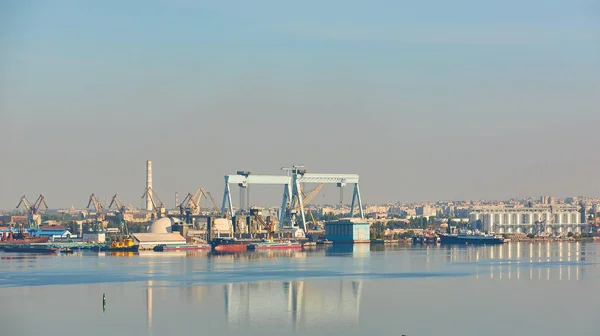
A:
(148, 185)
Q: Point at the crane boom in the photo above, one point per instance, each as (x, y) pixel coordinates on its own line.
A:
(215, 205)
(117, 202)
(312, 194)
(160, 210)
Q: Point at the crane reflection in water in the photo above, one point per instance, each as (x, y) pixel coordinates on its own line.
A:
(298, 303)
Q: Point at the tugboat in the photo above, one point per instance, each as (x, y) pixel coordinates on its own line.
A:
(228, 245)
(470, 238)
(125, 245)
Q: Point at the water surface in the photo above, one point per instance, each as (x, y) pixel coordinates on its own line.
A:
(511, 289)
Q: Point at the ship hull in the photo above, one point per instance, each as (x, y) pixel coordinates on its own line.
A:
(275, 246)
(230, 247)
(33, 240)
(457, 240)
(133, 248)
(182, 248)
(26, 249)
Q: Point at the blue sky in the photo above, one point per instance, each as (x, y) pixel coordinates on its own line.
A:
(430, 94)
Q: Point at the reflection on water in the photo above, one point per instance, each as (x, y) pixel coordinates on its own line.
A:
(526, 260)
(338, 290)
(297, 303)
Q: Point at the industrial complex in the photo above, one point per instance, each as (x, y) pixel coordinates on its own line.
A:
(293, 223)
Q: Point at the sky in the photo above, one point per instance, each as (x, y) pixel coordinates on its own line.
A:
(428, 100)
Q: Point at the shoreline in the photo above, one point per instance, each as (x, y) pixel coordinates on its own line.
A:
(507, 240)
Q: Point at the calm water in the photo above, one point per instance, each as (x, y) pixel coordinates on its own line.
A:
(512, 289)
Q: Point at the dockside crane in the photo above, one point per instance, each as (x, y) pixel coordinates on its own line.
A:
(185, 209)
(121, 209)
(197, 197)
(33, 210)
(216, 208)
(160, 208)
(269, 227)
(99, 215)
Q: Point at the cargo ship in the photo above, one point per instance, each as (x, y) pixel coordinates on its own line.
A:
(228, 245)
(21, 237)
(26, 248)
(470, 238)
(267, 245)
(163, 248)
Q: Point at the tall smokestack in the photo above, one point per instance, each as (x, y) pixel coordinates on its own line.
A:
(148, 184)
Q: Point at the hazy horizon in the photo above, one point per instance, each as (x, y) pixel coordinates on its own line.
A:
(426, 101)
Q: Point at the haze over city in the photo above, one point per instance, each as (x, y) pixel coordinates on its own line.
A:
(426, 101)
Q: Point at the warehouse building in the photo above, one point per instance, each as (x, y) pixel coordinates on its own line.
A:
(539, 219)
(349, 230)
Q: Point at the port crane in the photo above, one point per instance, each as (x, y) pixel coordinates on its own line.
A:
(121, 209)
(33, 210)
(216, 208)
(99, 215)
(191, 203)
(269, 227)
(160, 208)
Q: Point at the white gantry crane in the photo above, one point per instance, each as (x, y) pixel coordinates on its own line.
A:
(293, 195)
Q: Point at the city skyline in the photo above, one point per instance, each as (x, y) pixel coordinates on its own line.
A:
(425, 102)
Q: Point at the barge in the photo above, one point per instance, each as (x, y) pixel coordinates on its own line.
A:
(164, 248)
(470, 238)
(22, 248)
(287, 245)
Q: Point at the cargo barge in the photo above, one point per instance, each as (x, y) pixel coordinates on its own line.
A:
(287, 245)
(22, 248)
(470, 238)
(165, 248)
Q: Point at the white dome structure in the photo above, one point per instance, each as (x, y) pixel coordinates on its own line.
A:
(163, 225)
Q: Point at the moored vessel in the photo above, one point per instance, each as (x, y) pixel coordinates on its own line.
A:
(26, 248)
(228, 245)
(125, 245)
(470, 238)
(266, 245)
(20, 238)
(163, 248)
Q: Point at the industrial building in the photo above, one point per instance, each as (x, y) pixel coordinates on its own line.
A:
(349, 230)
(52, 232)
(537, 219)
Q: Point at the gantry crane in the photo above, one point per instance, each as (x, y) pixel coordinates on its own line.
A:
(99, 215)
(159, 207)
(308, 198)
(33, 210)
